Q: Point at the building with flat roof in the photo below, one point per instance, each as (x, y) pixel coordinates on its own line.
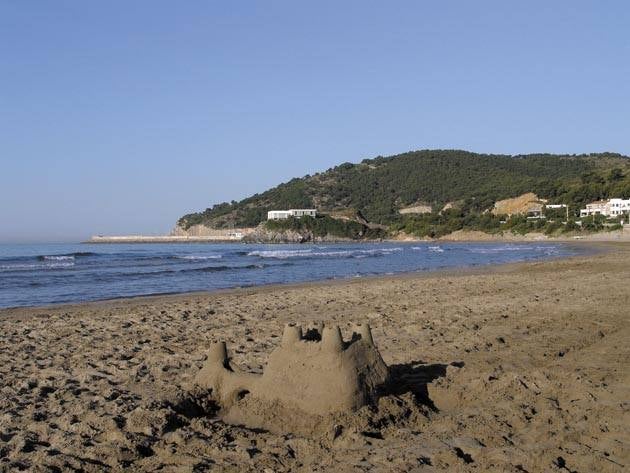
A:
(296, 213)
(619, 207)
(608, 208)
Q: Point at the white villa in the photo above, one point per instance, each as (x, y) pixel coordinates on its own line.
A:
(608, 208)
(284, 214)
(619, 206)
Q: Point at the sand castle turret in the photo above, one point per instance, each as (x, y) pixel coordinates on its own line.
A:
(292, 334)
(315, 372)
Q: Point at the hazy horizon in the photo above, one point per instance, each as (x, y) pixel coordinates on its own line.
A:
(119, 118)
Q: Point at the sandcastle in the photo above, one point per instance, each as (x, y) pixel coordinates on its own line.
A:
(315, 372)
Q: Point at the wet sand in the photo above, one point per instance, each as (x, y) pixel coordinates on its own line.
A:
(522, 367)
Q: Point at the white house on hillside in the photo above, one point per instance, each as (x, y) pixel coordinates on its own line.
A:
(619, 207)
(284, 214)
(608, 208)
(594, 208)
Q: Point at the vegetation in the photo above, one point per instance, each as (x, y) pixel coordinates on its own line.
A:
(435, 225)
(378, 188)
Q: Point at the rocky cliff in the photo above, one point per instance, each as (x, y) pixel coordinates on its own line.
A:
(262, 234)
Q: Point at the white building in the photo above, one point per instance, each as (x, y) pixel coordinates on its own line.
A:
(278, 214)
(608, 208)
(284, 214)
(594, 208)
(619, 207)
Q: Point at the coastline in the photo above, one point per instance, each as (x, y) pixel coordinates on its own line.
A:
(458, 236)
(592, 247)
(523, 363)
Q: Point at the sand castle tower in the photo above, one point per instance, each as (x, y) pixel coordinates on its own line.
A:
(315, 372)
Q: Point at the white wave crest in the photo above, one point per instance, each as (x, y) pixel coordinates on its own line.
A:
(281, 254)
(34, 266)
(309, 253)
(199, 257)
(504, 248)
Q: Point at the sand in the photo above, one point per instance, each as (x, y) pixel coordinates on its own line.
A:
(310, 382)
(522, 367)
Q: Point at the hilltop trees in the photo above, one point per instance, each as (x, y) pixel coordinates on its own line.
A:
(380, 187)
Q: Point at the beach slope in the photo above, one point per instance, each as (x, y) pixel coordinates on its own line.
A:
(522, 367)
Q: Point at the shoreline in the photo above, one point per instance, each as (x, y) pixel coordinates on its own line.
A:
(457, 236)
(332, 281)
(594, 247)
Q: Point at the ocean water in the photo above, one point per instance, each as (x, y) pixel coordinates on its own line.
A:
(41, 274)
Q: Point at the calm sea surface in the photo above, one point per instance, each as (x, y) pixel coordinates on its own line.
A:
(41, 274)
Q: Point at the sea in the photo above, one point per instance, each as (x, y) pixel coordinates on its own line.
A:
(43, 274)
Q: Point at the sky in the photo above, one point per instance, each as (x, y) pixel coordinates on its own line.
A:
(118, 117)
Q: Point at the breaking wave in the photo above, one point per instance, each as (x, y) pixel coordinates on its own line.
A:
(33, 266)
(51, 274)
(310, 253)
(56, 258)
(66, 257)
(503, 248)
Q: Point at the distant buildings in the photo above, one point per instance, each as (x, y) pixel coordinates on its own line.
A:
(540, 211)
(607, 208)
(284, 214)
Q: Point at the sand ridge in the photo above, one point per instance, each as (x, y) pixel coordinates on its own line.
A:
(518, 368)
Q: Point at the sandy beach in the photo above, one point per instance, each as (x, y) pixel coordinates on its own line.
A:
(522, 367)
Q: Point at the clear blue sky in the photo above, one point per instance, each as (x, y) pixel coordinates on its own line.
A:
(120, 116)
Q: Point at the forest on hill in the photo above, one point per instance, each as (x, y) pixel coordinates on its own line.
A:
(468, 182)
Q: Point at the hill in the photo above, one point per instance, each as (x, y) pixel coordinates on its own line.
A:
(468, 183)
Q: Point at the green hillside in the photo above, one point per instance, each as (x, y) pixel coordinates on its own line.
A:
(378, 188)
